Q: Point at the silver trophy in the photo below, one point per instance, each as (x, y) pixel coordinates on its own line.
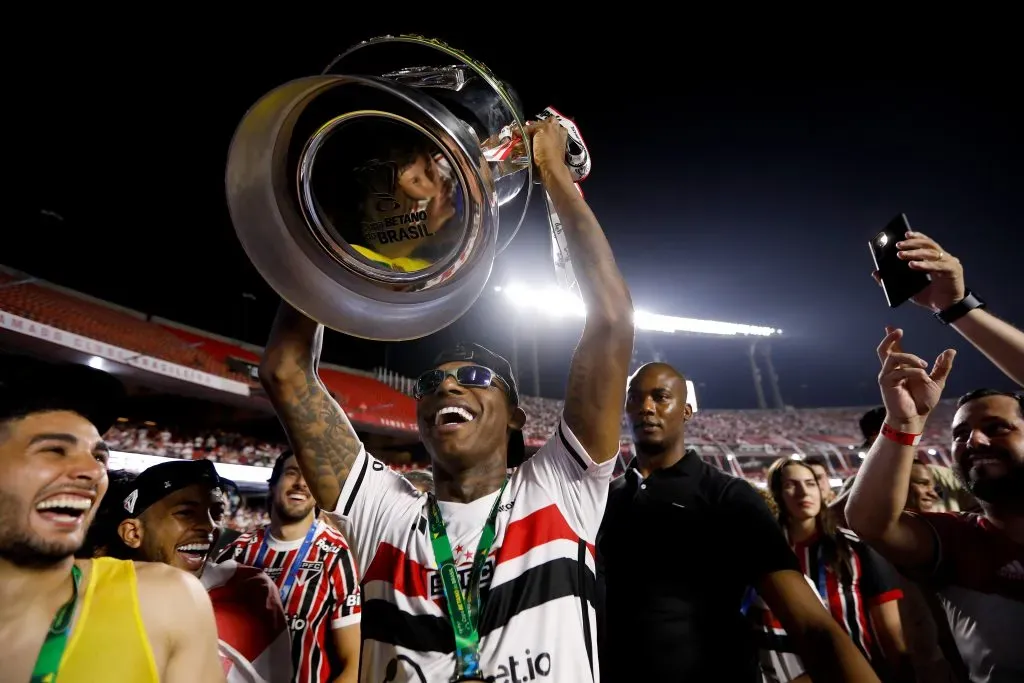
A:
(370, 197)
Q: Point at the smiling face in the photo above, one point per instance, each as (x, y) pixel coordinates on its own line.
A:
(921, 495)
(178, 529)
(988, 448)
(462, 426)
(53, 474)
(291, 502)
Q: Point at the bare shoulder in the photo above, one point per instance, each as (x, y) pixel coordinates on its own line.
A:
(163, 584)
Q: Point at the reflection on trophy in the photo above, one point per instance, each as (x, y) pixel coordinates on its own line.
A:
(370, 197)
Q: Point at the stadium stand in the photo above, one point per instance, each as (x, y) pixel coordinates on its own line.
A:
(740, 441)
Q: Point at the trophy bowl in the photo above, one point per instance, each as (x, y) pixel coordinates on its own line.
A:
(369, 197)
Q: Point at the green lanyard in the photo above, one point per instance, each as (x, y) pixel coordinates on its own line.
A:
(52, 650)
(463, 608)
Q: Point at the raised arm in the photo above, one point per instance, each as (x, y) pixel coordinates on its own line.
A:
(597, 376)
(323, 439)
(879, 494)
(1002, 343)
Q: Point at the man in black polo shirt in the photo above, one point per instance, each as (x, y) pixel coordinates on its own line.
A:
(680, 543)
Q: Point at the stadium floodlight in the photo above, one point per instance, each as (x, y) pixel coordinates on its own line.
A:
(555, 302)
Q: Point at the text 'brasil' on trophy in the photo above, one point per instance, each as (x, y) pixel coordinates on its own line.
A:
(375, 196)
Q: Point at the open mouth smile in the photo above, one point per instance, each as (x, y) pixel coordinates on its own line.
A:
(66, 510)
(194, 554)
(451, 418)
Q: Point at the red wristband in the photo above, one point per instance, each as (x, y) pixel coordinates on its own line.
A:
(902, 438)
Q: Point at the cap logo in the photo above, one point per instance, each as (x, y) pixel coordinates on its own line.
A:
(129, 502)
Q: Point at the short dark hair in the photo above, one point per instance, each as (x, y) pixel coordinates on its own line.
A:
(985, 393)
(275, 474)
(102, 537)
(29, 386)
(871, 422)
(815, 460)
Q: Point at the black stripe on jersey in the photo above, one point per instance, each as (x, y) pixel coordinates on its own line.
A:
(774, 642)
(384, 622)
(572, 451)
(581, 568)
(348, 571)
(355, 487)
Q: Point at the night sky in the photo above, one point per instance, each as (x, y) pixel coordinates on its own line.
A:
(739, 191)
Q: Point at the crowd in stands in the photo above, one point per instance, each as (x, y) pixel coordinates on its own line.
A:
(245, 518)
(221, 446)
(755, 427)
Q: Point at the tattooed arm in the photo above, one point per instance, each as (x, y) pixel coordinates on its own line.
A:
(597, 376)
(323, 439)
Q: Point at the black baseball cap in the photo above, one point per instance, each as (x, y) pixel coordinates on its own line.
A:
(29, 385)
(161, 480)
(465, 352)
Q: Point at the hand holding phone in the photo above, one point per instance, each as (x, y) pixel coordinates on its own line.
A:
(899, 281)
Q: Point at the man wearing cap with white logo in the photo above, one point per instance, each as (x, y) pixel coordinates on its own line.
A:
(168, 513)
(84, 620)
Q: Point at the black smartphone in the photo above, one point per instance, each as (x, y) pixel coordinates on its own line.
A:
(899, 280)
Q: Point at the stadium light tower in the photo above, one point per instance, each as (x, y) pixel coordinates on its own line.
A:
(756, 374)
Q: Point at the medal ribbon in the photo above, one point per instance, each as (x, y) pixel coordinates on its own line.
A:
(463, 607)
(50, 654)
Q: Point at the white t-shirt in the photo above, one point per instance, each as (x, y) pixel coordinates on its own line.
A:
(538, 585)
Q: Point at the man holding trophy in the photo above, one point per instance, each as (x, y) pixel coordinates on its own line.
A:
(491, 577)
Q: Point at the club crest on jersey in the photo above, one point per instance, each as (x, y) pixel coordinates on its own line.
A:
(307, 570)
(486, 573)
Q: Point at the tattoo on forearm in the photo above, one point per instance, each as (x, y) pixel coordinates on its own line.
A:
(323, 438)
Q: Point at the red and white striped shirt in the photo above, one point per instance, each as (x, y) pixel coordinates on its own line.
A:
(872, 582)
(323, 597)
(254, 644)
(537, 586)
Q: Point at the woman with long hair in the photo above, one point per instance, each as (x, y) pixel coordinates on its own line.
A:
(857, 586)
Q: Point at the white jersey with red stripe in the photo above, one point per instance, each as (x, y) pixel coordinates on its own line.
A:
(254, 643)
(323, 597)
(537, 586)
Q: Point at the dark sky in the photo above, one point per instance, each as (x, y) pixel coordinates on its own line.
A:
(740, 191)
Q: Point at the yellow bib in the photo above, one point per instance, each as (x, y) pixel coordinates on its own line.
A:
(108, 642)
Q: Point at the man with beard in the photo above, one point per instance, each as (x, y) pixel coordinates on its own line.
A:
(678, 616)
(975, 561)
(313, 568)
(492, 574)
(87, 619)
(168, 514)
